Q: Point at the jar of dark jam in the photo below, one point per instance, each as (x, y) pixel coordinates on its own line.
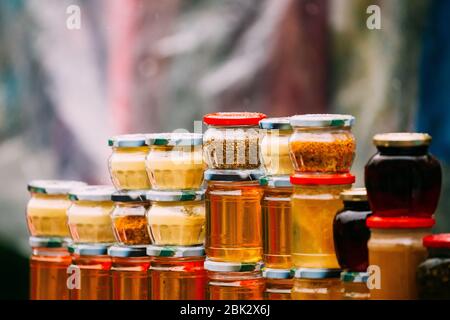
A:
(403, 178)
(433, 275)
(350, 231)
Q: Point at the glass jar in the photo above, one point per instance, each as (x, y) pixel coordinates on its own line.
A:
(355, 285)
(275, 146)
(176, 218)
(129, 273)
(47, 208)
(128, 218)
(279, 284)
(89, 215)
(127, 162)
(322, 143)
(315, 202)
(234, 281)
(233, 216)
(48, 269)
(350, 231)
(395, 251)
(89, 274)
(277, 221)
(177, 273)
(403, 179)
(232, 140)
(175, 161)
(433, 275)
(317, 284)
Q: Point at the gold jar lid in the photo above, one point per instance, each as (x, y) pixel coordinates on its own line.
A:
(402, 139)
(355, 194)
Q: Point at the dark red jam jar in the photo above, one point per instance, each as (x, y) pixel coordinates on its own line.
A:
(350, 231)
(403, 178)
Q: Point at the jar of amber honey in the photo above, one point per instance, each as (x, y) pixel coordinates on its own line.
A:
(355, 285)
(317, 284)
(279, 284)
(233, 216)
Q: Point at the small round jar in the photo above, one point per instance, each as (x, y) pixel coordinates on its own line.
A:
(89, 215)
(233, 216)
(48, 269)
(350, 231)
(317, 284)
(395, 252)
(231, 141)
(175, 161)
(275, 146)
(177, 273)
(176, 218)
(127, 162)
(315, 202)
(129, 218)
(355, 285)
(277, 221)
(433, 275)
(322, 143)
(279, 284)
(234, 281)
(403, 178)
(129, 273)
(47, 208)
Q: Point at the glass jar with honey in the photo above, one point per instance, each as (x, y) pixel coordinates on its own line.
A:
(233, 216)
(279, 283)
(317, 284)
(355, 285)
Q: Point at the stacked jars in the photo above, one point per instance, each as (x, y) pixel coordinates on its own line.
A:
(231, 149)
(403, 183)
(322, 149)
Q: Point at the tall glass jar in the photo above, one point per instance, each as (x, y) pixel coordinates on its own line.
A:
(233, 216)
(317, 284)
(279, 284)
(175, 161)
(48, 269)
(177, 273)
(176, 218)
(403, 178)
(315, 202)
(355, 285)
(127, 162)
(234, 281)
(395, 252)
(231, 141)
(47, 208)
(277, 221)
(322, 143)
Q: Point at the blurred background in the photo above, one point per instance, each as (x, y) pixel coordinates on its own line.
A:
(151, 66)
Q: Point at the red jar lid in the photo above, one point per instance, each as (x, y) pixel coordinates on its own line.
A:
(399, 223)
(322, 179)
(234, 118)
(437, 241)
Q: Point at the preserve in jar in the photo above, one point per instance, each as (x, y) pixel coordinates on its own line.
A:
(403, 178)
(175, 161)
(127, 162)
(234, 281)
(177, 273)
(233, 216)
(89, 217)
(89, 275)
(232, 140)
(47, 208)
(128, 218)
(279, 284)
(129, 273)
(395, 252)
(176, 218)
(317, 284)
(433, 275)
(322, 143)
(277, 221)
(354, 285)
(315, 202)
(350, 231)
(48, 269)
(274, 146)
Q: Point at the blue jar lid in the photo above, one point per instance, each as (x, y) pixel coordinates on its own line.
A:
(275, 181)
(306, 273)
(128, 141)
(233, 175)
(275, 124)
(127, 252)
(356, 277)
(49, 242)
(175, 251)
(278, 273)
(89, 249)
(233, 266)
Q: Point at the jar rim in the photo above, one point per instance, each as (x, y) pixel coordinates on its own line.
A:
(233, 118)
(54, 187)
(402, 139)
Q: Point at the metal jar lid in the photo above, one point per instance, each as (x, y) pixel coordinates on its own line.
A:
(354, 195)
(275, 124)
(128, 141)
(355, 277)
(402, 139)
(275, 181)
(127, 252)
(175, 251)
(306, 273)
(182, 139)
(53, 187)
(233, 175)
(172, 196)
(322, 120)
(232, 266)
(89, 249)
(48, 242)
(92, 193)
(130, 196)
(278, 273)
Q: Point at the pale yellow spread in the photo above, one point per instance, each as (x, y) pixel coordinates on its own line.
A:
(275, 154)
(127, 168)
